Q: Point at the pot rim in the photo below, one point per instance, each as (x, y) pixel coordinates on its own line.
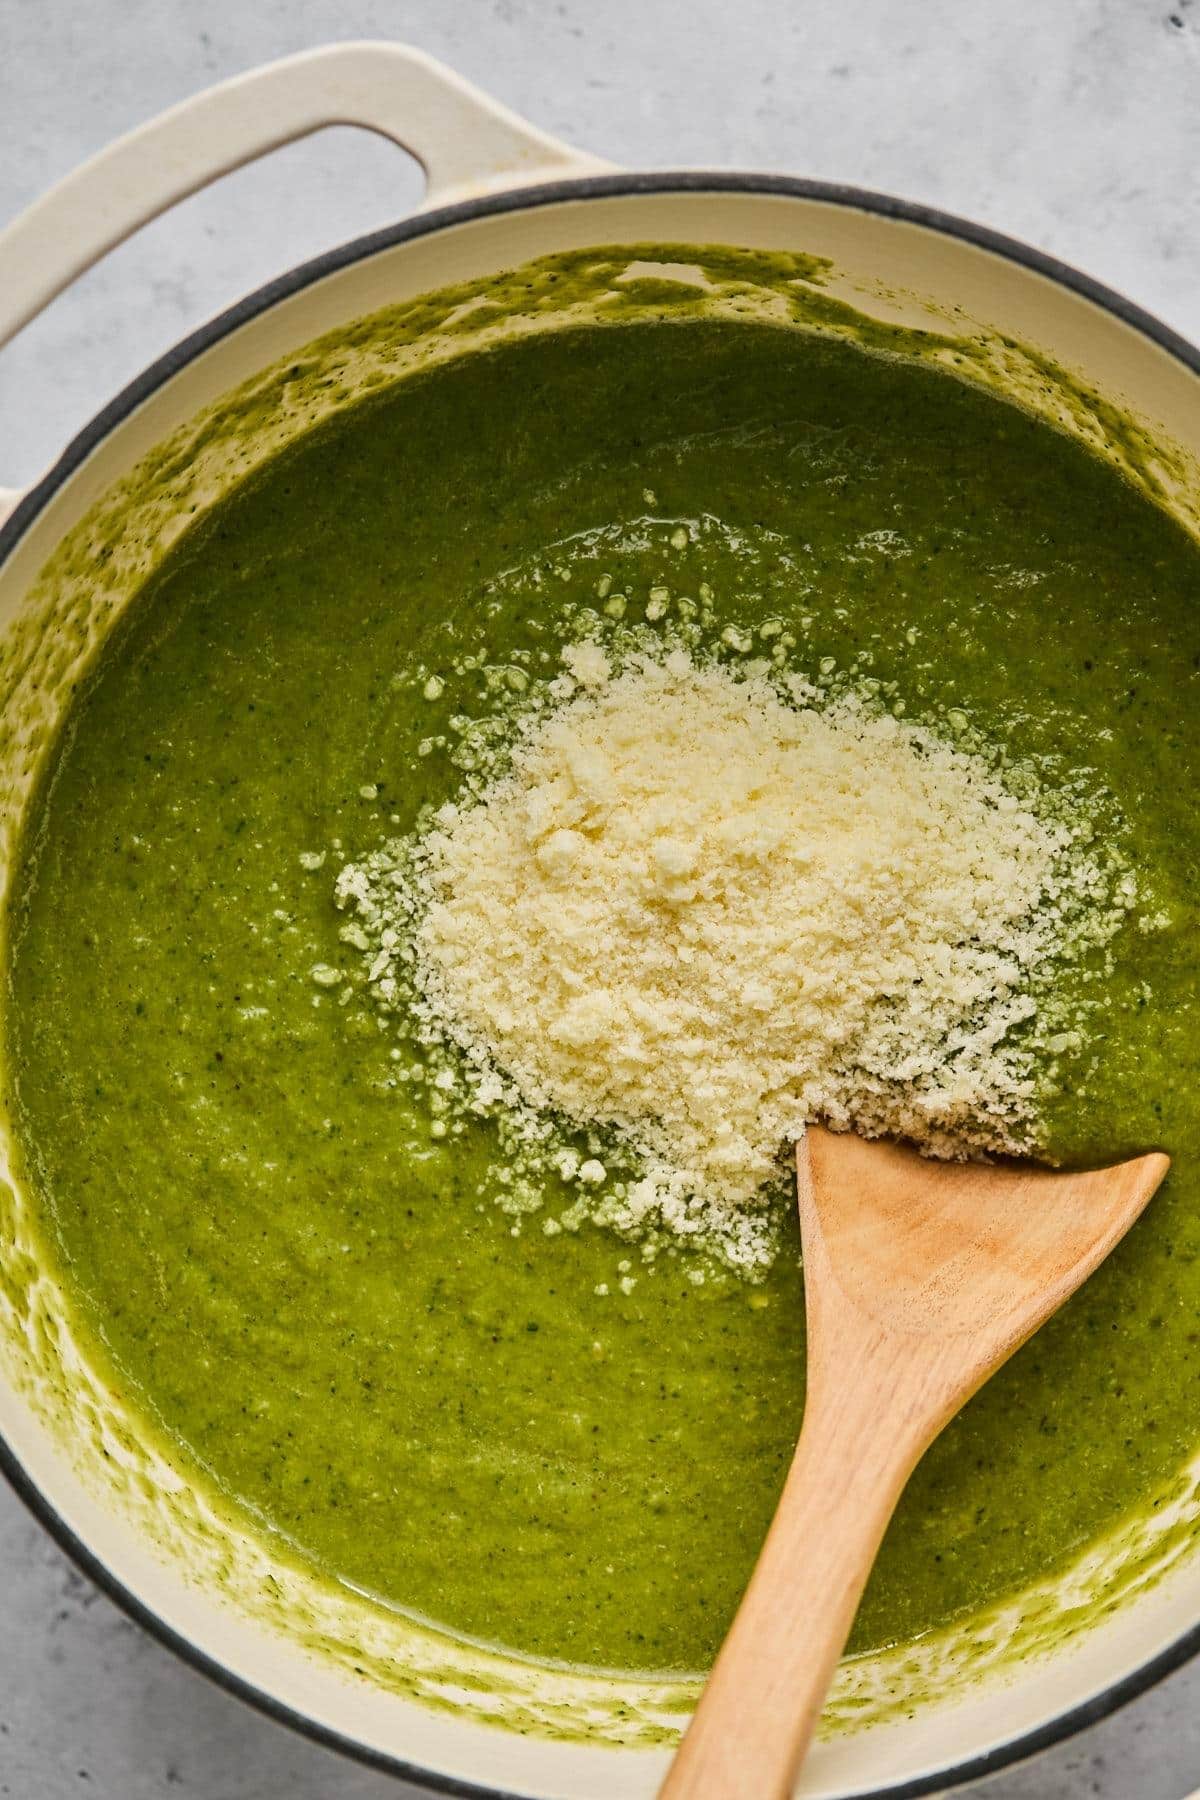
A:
(162, 370)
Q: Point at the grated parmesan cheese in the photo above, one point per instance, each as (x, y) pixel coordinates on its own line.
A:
(700, 909)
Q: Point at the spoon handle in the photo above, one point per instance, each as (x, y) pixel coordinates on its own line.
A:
(862, 1437)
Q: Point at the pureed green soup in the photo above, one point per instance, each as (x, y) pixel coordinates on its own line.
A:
(314, 1296)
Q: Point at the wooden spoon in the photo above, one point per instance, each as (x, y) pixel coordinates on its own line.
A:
(920, 1279)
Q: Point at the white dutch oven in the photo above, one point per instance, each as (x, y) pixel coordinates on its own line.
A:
(500, 193)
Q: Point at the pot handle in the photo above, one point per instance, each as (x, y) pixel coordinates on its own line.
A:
(467, 143)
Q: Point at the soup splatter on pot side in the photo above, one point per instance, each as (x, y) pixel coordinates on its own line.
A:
(315, 1296)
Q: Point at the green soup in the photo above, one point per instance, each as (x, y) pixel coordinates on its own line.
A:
(311, 1293)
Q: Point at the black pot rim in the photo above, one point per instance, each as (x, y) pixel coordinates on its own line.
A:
(1065, 1724)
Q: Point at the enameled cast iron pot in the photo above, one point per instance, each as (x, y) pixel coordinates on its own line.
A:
(499, 193)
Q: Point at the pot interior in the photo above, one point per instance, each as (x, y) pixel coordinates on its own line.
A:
(81, 550)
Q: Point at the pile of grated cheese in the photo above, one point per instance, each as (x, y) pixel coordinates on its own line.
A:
(701, 907)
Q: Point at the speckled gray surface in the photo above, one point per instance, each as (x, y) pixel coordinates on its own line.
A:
(1075, 125)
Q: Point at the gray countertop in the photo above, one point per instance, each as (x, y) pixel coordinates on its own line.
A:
(1074, 124)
